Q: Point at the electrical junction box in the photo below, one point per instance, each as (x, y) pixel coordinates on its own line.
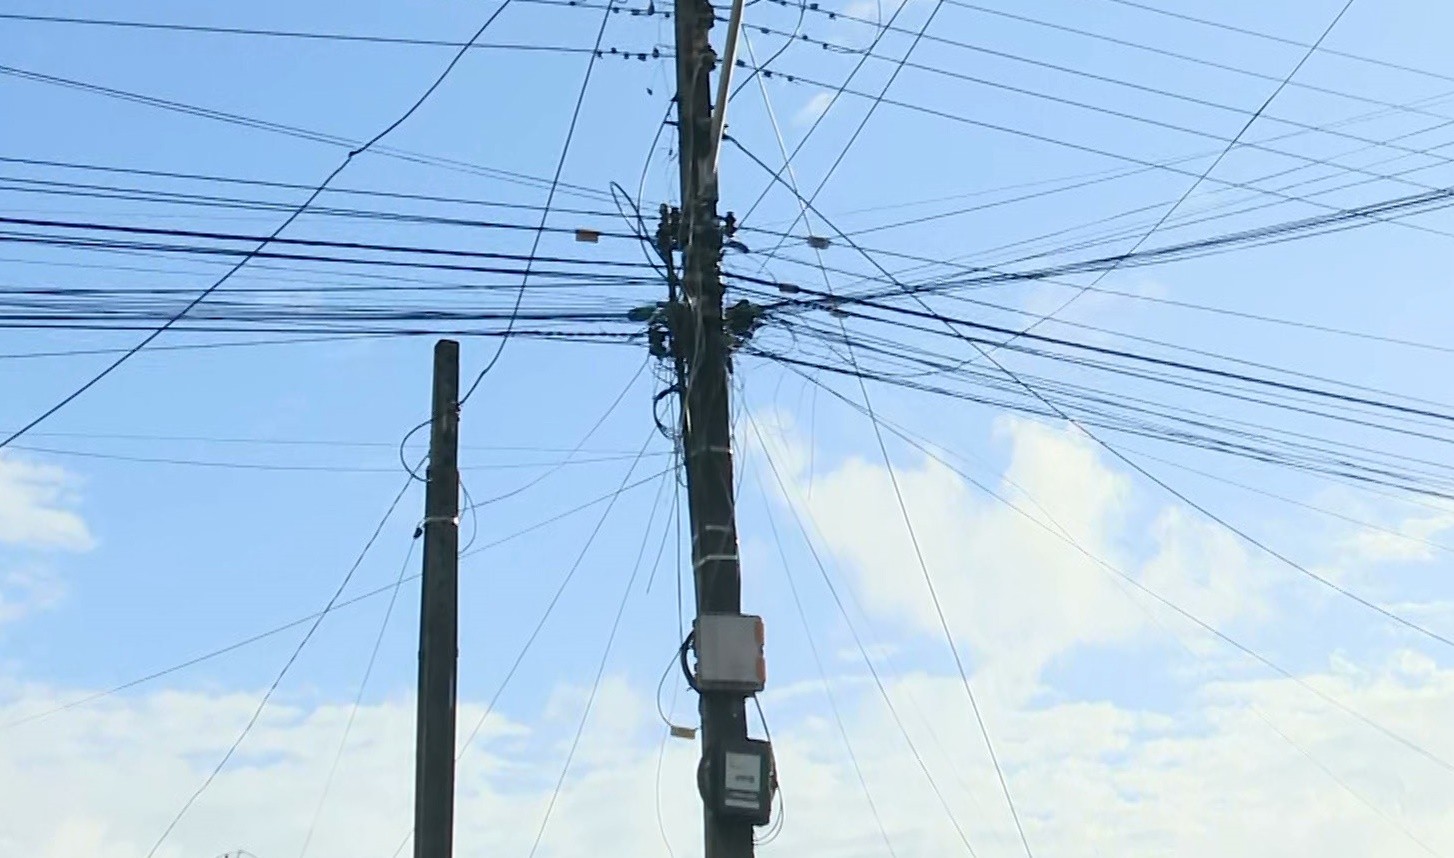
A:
(739, 781)
(730, 655)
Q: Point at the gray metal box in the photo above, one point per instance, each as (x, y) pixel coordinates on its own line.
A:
(730, 653)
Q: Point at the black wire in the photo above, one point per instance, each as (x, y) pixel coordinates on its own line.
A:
(1082, 73)
(1059, 534)
(549, 199)
(1282, 39)
(549, 609)
(283, 34)
(1407, 623)
(358, 698)
(943, 620)
(817, 659)
(287, 130)
(682, 660)
(857, 639)
(53, 188)
(202, 296)
(185, 347)
(955, 323)
(1205, 173)
(329, 606)
(600, 672)
(818, 120)
(570, 454)
(1168, 166)
(1361, 479)
(273, 632)
(123, 229)
(296, 186)
(1159, 51)
(899, 66)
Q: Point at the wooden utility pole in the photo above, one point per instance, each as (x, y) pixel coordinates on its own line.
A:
(439, 618)
(700, 347)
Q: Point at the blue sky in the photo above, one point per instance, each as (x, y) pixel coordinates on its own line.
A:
(111, 569)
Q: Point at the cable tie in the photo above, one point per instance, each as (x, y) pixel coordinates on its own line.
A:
(714, 558)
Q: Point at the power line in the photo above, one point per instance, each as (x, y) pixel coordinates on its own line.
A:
(600, 670)
(289, 130)
(336, 606)
(853, 631)
(202, 296)
(1281, 39)
(306, 35)
(1059, 534)
(955, 323)
(898, 66)
(570, 574)
(1208, 171)
(549, 199)
(329, 606)
(1334, 586)
(358, 699)
(274, 184)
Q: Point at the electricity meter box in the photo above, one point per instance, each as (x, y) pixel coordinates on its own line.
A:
(730, 654)
(739, 780)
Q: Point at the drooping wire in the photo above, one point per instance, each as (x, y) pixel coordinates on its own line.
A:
(600, 670)
(358, 698)
(283, 672)
(822, 672)
(549, 198)
(345, 603)
(297, 212)
(858, 639)
(934, 595)
(545, 616)
(1120, 578)
(1236, 139)
(1225, 638)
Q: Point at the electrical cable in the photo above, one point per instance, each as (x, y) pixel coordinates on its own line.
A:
(1286, 41)
(549, 200)
(858, 640)
(1048, 403)
(1326, 582)
(570, 454)
(287, 665)
(358, 699)
(948, 635)
(1060, 142)
(290, 130)
(550, 606)
(600, 673)
(822, 672)
(273, 184)
(1066, 537)
(1205, 173)
(818, 120)
(899, 66)
(1130, 579)
(273, 632)
(305, 35)
(201, 296)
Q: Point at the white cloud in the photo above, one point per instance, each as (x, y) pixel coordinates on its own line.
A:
(36, 507)
(813, 109)
(27, 589)
(37, 515)
(1087, 778)
(1018, 595)
(1407, 540)
(1258, 767)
